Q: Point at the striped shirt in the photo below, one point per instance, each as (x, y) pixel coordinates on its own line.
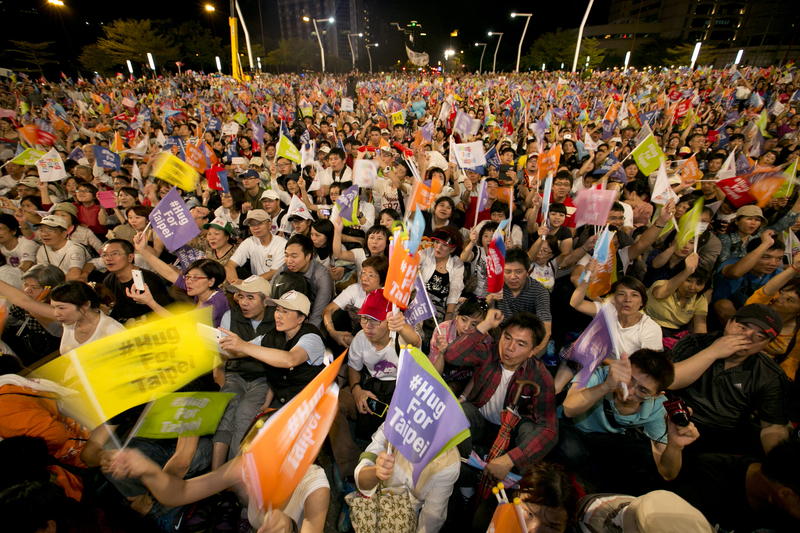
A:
(533, 297)
(726, 399)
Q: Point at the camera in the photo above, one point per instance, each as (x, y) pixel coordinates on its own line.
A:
(677, 412)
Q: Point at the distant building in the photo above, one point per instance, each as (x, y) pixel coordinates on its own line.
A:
(350, 17)
(766, 31)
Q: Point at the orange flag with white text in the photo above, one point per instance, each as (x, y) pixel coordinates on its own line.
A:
(548, 162)
(194, 158)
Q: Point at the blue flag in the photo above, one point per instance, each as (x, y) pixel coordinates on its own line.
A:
(258, 133)
(326, 110)
(492, 159)
(214, 124)
(176, 143)
(610, 161)
(421, 308)
(105, 158)
(76, 154)
(285, 130)
(231, 152)
(346, 202)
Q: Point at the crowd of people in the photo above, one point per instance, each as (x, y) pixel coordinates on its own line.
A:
(689, 425)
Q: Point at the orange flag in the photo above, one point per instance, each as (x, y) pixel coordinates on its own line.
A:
(548, 163)
(507, 518)
(117, 146)
(280, 454)
(765, 188)
(611, 114)
(194, 158)
(400, 278)
(29, 134)
(102, 127)
(422, 195)
(606, 275)
(505, 194)
(691, 170)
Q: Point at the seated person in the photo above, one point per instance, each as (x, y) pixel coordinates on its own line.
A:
(675, 302)
(118, 256)
(293, 350)
(557, 213)
(499, 212)
(371, 372)
(264, 251)
(737, 279)
(244, 376)
(58, 250)
(745, 493)
(521, 294)
(601, 419)
(432, 490)
(299, 258)
(725, 378)
(498, 366)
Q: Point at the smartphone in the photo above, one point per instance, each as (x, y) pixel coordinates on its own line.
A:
(138, 280)
(377, 407)
(504, 169)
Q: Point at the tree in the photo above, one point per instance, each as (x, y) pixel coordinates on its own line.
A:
(296, 53)
(558, 47)
(197, 44)
(133, 39)
(96, 59)
(35, 54)
(682, 54)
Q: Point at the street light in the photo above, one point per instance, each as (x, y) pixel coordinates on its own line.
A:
(527, 20)
(353, 54)
(580, 36)
(494, 64)
(480, 66)
(627, 58)
(55, 2)
(370, 56)
(319, 37)
(150, 59)
(219, 64)
(130, 67)
(209, 7)
(695, 54)
(738, 57)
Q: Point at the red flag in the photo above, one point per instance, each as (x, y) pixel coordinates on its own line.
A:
(496, 263)
(213, 179)
(737, 189)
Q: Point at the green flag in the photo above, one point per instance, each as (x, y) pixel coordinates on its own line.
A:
(648, 155)
(240, 117)
(288, 150)
(787, 188)
(687, 225)
(184, 414)
(762, 124)
(28, 157)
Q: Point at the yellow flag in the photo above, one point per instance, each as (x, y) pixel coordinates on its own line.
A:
(288, 150)
(169, 168)
(398, 117)
(687, 225)
(132, 367)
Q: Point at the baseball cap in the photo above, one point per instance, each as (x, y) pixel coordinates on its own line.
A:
(270, 195)
(67, 208)
(763, 316)
(54, 222)
(293, 300)
(662, 511)
(220, 224)
(29, 181)
(249, 174)
(751, 211)
(253, 284)
(375, 306)
(256, 162)
(325, 149)
(436, 160)
(384, 130)
(258, 215)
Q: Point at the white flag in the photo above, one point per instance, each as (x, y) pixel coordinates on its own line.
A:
(137, 175)
(51, 167)
(296, 208)
(469, 155)
(140, 149)
(231, 128)
(317, 183)
(365, 173)
(728, 169)
(160, 138)
(662, 192)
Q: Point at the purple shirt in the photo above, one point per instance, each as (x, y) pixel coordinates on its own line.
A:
(218, 302)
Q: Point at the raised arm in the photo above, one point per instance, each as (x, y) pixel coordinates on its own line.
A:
(277, 358)
(20, 299)
(746, 263)
(668, 289)
(338, 251)
(651, 234)
(779, 280)
(578, 300)
(163, 269)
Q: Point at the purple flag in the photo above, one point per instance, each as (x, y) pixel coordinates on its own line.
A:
(76, 154)
(483, 197)
(258, 133)
(105, 158)
(593, 346)
(346, 201)
(424, 418)
(420, 307)
(172, 222)
(188, 255)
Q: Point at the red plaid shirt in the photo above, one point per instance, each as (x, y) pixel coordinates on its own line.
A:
(470, 350)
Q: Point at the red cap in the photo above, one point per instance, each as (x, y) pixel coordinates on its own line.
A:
(376, 306)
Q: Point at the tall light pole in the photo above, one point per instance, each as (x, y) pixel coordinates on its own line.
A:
(210, 9)
(370, 56)
(527, 20)
(738, 57)
(580, 36)
(352, 53)
(480, 65)
(59, 3)
(494, 64)
(319, 37)
(695, 54)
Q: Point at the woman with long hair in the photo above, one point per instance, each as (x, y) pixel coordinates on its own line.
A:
(322, 237)
(90, 212)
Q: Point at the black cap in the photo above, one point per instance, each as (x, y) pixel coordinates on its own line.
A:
(762, 316)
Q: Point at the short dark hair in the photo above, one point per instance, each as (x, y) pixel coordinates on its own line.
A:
(305, 243)
(550, 485)
(495, 180)
(518, 255)
(338, 151)
(556, 207)
(701, 275)
(631, 283)
(473, 307)
(10, 222)
(76, 293)
(616, 206)
(210, 268)
(529, 321)
(126, 245)
(655, 364)
(506, 150)
(755, 243)
(378, 262)
(499, 207)
(563, 175)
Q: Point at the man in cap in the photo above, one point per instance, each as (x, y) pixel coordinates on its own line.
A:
(299, 258)
(726, 379)
(301, 222)
(264, 250)
(253, 190)
(372, 372)
(58, 250)
(244, 376)
(27, 186)
(271, 203)
(292, 351)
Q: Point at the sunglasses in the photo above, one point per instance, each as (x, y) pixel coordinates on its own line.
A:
(447, 240)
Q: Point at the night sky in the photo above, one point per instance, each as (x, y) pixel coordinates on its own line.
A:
(438, 23)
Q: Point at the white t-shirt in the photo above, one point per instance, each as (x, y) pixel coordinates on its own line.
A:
(491, 410)
(314, 479)
(644, 334)
(11, 275)
(353, 295)
(262, 258)
(385, 193)
(381, 364)
(25, 250)
(546, 275)
(327, 176)
(368, 211)
(107, 326)
(71, 255)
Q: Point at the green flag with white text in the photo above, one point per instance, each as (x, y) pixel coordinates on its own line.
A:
(184, 414)
(648, 155)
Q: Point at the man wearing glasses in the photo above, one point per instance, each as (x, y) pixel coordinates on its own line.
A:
(118, 256)
(602, 421)
(58, 250)
(737, 392)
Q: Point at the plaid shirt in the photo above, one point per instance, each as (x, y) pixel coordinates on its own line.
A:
(470, 350)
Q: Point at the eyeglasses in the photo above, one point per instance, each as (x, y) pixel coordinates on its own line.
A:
(369, 322)
(194, 278)
(46, 230)
(112, 255)
(284, 164)
(640, 391)
(365, 275)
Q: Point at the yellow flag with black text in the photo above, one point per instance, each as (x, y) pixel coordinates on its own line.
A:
(169, 168)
